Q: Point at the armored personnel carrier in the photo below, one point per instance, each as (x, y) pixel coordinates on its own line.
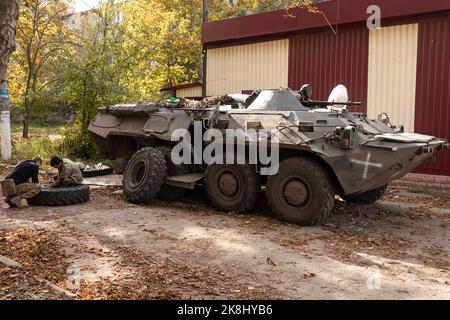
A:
(316, 150)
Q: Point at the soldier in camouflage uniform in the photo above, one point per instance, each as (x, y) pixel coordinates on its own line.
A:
(24, 191)
(22, 173)
(69, 173)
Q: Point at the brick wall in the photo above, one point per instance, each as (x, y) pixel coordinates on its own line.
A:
(416, 181)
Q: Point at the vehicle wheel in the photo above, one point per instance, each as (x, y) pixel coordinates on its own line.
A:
(301, 192)
(61, 196)
(232, 187)
(144, 175)
(368, 197)
(170, 193)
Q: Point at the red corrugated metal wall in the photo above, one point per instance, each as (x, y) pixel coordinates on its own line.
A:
(433, 87)
(325, 60)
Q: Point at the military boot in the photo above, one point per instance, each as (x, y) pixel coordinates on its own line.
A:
(17, 202)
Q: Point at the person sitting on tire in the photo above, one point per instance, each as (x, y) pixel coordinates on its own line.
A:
(69, 174)
(22, 173)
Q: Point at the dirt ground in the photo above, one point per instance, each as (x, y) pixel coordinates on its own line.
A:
(110, 249)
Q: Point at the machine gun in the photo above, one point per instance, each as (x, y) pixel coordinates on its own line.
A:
(304, 94)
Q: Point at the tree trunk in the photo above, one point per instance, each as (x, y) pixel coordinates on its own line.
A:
(26, 125)
(28, 104)
(9, 12)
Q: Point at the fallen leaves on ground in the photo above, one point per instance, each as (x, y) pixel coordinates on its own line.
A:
(111, 192)
(176, 275)
(308, 275)
(38, 251)
(424, 201)
(270, 261)
(17, 284)
(145, 276)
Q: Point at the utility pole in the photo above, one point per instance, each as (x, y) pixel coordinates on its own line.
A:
(204, 50)
(5, 119)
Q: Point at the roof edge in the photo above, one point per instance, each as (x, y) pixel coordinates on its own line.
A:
(278, 22)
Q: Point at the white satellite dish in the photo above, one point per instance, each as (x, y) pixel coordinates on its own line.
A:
(339, 94)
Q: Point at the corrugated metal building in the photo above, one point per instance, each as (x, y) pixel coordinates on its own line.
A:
(402, 68)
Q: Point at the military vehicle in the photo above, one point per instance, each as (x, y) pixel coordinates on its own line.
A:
(324, 150)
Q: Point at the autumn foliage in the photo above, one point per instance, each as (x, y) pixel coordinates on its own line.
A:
(122, 51)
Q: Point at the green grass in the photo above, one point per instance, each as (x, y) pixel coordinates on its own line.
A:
(45, 141)
(41, 147)
(446, 194)
(36, 129)
(423, 189)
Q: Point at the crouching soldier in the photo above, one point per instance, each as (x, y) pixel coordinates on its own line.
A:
(69, 173)
(21, 174)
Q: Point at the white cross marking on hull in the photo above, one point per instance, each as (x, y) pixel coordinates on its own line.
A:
(367, 164)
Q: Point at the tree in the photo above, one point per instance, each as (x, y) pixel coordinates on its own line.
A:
(96, 74)
(222, 9)
(9, 12)
(42, 34)
(109, 61)
(165, 34)
(163, 39)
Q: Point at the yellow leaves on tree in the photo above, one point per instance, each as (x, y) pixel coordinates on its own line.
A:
(167, 36)
(157, 44)
(41, 36)
(221, 9)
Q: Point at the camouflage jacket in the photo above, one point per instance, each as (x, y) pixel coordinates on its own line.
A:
(69, 170)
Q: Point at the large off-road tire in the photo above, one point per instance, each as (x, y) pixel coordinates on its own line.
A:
(170, 193)
(144, 175)
(301, 192)
(61, 196)
(368, 197)
(233, 187)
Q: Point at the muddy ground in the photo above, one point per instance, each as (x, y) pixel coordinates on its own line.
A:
(110, 249)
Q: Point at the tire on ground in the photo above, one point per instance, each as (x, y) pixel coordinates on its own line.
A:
(97, 173)
(61, 196)
(368, 197)
(301, 192)
(171, 193)
(233, 187)
(144, 175)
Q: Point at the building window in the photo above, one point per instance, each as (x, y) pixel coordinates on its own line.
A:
(119, 17)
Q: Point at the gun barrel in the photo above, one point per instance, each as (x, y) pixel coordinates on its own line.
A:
(190, 110)
(328, 103)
